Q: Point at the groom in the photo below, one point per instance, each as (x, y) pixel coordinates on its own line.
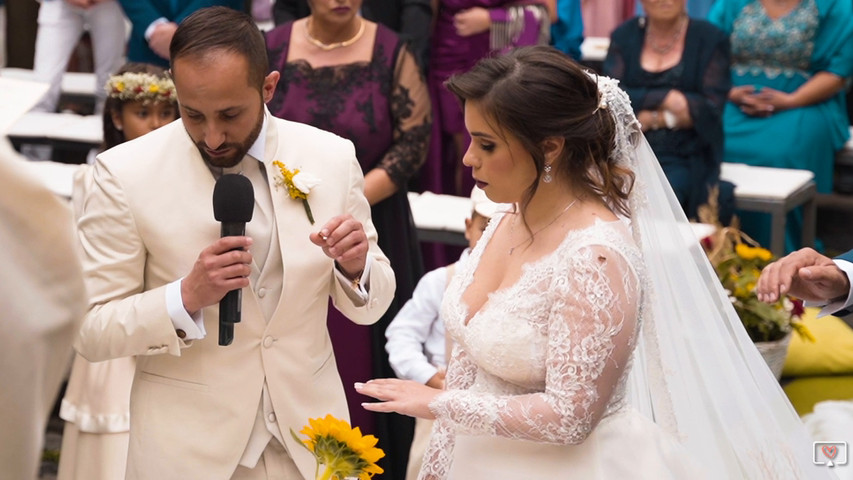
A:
(156, 269)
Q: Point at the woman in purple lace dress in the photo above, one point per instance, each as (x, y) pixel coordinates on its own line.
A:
(466, 31)
(357, 79)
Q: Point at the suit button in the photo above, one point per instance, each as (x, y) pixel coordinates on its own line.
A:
(262, 292)
(268, 341)
(181, 333)
(271, 417)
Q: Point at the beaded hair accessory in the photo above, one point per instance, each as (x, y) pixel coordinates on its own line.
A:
(145, 87)
(602, 104)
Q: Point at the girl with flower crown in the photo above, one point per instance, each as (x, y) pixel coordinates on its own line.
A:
(140, 99)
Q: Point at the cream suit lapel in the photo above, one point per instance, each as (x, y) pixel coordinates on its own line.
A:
(291, 219)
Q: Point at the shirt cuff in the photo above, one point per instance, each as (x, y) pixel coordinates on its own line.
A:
(192, 325)
(423, 373)
(360, 285)
(838, 305)
(150, 30)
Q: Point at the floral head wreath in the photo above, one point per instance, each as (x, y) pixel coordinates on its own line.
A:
(145, 87)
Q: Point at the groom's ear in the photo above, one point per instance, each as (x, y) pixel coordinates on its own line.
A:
(552, 147)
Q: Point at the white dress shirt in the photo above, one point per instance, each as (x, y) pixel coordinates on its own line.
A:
(838, 305)
(416, 338)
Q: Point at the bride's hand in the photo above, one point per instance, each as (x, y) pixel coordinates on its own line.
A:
(401, 396)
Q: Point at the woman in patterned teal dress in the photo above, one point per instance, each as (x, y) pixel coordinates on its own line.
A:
(786, 108)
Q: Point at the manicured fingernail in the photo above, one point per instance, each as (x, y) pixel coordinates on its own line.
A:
(358, 384)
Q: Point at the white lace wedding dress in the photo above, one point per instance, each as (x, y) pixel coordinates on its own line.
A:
(528, 394)
(618, 355)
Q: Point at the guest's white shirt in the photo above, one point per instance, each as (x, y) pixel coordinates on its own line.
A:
(846, 304)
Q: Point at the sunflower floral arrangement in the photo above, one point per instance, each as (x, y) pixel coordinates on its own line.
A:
(738, 261)
(343, 450)
(298, 185)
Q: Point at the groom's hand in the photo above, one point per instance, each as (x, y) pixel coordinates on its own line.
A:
(223, 266)
(343, 240)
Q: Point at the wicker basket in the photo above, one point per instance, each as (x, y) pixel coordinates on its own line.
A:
(774, 353)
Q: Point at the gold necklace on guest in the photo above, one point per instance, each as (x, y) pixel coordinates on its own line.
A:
(537, 232)
(663, 50)
(332, 46)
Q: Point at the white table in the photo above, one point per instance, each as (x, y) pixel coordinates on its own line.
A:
(440, 218)
(775, 191)
(72, 136)
(57, 177)
(594, 49)
(74, 84)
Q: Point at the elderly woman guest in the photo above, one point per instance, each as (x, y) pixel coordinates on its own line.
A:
(790, 60)
(676, 72)
(356, 78)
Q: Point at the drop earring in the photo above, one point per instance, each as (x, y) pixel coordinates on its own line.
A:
(547, 178)
(119, 127)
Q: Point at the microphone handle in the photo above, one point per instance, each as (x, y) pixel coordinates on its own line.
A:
(232, 229)
(226, 333)
(231, 304)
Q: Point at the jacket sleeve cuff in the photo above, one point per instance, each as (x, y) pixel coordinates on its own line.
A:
(150, 30)
(191, 325)
(359, 286)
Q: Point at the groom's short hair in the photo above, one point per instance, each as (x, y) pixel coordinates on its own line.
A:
(222, 29)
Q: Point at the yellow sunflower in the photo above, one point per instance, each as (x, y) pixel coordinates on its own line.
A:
(342, 449)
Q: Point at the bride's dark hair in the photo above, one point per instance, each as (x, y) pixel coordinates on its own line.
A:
(536, 93)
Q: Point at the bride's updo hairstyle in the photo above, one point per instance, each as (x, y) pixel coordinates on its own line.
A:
(536, 93)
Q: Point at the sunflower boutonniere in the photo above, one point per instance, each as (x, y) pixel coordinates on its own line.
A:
(298, 185)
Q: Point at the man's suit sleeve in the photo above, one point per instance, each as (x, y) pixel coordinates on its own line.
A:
(125, 316)
(142, 13)
(845, 263)
(381, 281)
(186, 8)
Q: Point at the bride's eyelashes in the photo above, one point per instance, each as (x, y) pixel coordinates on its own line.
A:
(487, 147)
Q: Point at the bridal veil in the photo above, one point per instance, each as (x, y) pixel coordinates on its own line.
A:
(696, 372)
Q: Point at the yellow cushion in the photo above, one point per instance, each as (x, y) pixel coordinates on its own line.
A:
(805, 392)
(830, 354)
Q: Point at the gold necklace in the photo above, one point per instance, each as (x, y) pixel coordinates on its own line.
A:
(537, 232)
(663, 50)
(332, 46)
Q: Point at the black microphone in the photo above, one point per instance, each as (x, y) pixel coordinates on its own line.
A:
(233, 204)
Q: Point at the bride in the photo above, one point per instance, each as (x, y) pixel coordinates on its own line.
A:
(592, 338)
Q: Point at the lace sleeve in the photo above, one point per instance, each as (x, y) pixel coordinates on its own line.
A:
(410, 109)
(460, 375)
(591, 328)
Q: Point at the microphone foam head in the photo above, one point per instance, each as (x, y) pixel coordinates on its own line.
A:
(233, 199)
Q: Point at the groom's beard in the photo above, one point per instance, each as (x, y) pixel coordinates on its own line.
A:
(240, 148)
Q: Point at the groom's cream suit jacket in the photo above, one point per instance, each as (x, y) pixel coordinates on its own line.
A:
(148, 216)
